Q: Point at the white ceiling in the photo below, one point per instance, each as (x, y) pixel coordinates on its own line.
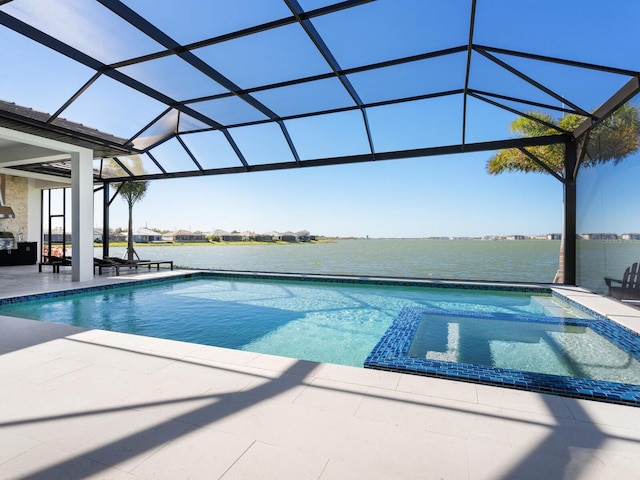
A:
(29, 150)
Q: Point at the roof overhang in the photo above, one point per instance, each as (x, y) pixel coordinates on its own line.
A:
(36, 156)
(26, 120)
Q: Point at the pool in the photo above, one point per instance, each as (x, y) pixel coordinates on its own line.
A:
(329, 321)
(464, 332)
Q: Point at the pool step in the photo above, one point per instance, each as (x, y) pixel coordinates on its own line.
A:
(551, 307)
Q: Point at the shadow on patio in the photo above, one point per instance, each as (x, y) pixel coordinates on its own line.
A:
(166, 427)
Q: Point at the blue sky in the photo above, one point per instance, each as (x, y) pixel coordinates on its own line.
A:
(435, 196)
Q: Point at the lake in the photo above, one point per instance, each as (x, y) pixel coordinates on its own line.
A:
(506, 260)
(526, 260)
(494, 260)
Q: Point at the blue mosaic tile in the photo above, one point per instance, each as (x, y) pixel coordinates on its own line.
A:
(392, 352)
(578, 306)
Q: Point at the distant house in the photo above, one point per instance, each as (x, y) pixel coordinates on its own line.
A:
(289, 237)
(117, 237)
(264, 237)
(599, 236)
(144, 235)
(554, 236)
(184, 236)
(97, 235)
(247, 236)
(233, 237)
(304, 236)
(630, 236)
(514, 237)
(293, 237)
(57, 237)
(224, 236)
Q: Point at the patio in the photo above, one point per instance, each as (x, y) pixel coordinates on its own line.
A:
(98, 404)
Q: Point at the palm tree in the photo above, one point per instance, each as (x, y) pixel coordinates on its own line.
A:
(131, 191)
(613, 140)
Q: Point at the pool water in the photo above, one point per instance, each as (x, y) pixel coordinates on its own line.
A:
(550, 347)
(319, 321)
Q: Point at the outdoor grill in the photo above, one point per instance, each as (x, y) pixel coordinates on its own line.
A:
(7, 241)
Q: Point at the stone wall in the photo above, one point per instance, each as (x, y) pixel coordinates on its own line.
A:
(16, 197)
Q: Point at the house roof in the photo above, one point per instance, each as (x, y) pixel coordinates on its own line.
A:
(190, 84)
(146, 232)
(31, 121)
(184, 233)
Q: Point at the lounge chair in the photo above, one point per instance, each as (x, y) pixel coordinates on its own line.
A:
(124, 261)
(629, 287)
(119, 263)
(54, 262)
(102, 263)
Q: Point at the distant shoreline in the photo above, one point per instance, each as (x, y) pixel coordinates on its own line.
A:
(317, 241)
(214, 244)
(340, 239)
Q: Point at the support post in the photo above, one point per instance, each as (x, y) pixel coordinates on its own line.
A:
(570, 250)
(82, 215)
(105, 220)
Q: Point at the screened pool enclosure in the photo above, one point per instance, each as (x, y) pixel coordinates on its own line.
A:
(161, 90)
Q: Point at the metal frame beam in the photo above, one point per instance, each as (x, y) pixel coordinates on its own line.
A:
(324, 50)
(570, 244)
(541, 164)
(517, 112)
(105, 219)
(163, 39)
(530, 81)
(622, 96)
(396, 155)
(88, 61)
(482, 93)
(345, 72)
(467, 74)
(559, 61)
(245, 32)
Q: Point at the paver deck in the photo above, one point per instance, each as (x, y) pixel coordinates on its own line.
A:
(80, 403)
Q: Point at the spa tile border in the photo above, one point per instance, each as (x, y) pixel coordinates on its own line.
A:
(391, 354)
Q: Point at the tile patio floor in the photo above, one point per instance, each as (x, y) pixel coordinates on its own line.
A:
(94, 404)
